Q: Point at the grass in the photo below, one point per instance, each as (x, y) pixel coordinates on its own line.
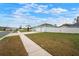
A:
(1, 36)
(58, 44)
(1, 29)
(24, 30)
(12, 46)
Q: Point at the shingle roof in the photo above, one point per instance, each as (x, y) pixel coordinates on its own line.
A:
(70, 25)
(45, 24)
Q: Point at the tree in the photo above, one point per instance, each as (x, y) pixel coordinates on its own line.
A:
(28, 27)
(4, 29)
(55, 25)
(20, 27)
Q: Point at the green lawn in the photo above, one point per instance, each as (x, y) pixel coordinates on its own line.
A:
(62, 44)
(12, 46)
(21, 30)
(0, 36)
(24, 30)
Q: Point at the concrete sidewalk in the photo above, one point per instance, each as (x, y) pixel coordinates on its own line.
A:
(14, 34)
(32, 48)
(29, 32)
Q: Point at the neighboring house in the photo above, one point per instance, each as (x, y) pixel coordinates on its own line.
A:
(70, 28)
(44, 27)
(7, 28)
(65, 28)
(75, 25)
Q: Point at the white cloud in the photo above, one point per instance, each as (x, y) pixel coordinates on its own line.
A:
(63, 20)
(31, 8)
(73, 9)
(59, 21)
(22, 10)
(41, 9)
(58, 10)
(22, 15)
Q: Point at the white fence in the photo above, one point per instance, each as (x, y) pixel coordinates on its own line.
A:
(51, 29)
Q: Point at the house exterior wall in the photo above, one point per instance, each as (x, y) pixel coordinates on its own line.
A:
(52, 29)
(70, 30)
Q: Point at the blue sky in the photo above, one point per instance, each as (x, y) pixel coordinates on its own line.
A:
(22, 14)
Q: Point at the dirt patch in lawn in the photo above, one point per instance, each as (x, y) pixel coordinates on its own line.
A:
(12, 46)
